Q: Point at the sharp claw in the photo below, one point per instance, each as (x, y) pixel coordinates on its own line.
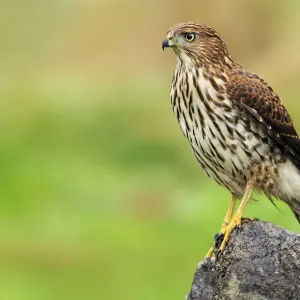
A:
(219, 236)
(216, 236)
(218, 253)
(247, 220)
(218, 242)
(208, 256)
(207, 259)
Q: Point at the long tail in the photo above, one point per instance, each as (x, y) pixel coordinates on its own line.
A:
(289, 186)
(295, 207)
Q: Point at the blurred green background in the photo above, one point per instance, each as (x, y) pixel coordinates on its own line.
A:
(101, 197)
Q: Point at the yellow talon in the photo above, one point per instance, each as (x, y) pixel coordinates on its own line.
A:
(230, 222)
(235, 221)
(223, 227)
(210, 252)
(247, 220)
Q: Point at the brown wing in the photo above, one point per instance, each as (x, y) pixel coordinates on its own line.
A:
(257, 99)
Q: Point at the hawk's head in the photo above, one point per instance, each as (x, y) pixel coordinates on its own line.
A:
(196, 43)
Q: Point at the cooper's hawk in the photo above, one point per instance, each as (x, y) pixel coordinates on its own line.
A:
(239, 131)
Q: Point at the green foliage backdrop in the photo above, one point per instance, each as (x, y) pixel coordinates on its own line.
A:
(101, 197)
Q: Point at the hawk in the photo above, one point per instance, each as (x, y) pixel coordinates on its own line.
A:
(237, 126)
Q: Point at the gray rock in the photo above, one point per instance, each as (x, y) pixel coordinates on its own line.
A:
(260, 262)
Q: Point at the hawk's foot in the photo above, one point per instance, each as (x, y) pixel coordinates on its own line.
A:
(218, 240)
(235, 222)
(210, 252)
(247, 220)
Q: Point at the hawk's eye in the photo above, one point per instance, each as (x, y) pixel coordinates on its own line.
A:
(189, 37)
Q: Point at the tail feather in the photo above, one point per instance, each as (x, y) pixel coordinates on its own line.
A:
(295, 207)
(289, 187)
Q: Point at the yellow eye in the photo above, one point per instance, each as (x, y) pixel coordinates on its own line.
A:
(189, 37)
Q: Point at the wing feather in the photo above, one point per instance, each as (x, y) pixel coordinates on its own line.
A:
(257, 99)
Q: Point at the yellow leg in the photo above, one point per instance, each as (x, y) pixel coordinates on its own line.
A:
(237, 218)
(224, 225)
(229, 213)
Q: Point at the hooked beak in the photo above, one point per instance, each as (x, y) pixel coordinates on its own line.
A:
(168, 41)
(165, 43)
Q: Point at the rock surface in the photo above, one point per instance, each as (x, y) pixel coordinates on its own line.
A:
(261, 262)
